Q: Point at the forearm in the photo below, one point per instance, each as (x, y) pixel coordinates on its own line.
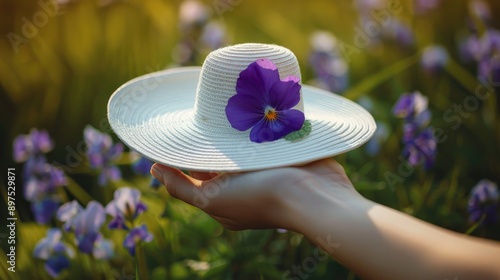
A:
(380, 243)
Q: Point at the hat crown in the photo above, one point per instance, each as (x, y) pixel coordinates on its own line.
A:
(221, 70)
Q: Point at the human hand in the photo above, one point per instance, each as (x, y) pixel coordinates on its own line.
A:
(260, 199)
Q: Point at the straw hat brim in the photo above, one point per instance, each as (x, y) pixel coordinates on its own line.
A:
(154, 115)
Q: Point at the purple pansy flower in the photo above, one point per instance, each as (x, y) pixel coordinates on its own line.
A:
(135, 236)
(55, 252)
(264, 103)
(35, 143)
(101, 154)
(125, 206)
(483, 202)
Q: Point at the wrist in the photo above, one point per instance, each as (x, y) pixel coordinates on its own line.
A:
(317, 201)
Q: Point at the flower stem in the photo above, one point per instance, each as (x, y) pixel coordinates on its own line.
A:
(141, 262)
(77, 191)
(475, 225)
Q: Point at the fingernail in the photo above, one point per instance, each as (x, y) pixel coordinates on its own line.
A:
(156, 172)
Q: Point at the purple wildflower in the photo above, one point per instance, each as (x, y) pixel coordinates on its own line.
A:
(419, 140)
(192, 14)
(67, 212)
(55, 252)
(101, 154)
(103, 249)
(434, 58)
(135, 236)
(421, 148)
(483, 202)
(41, 181)
(480, 10)
(41, 178)
(213, 36)
(33, 144)
(265, 103)
(85, 224)
(485, 50)
(329, 67)
(142, 166)
(489, 69)
(125, 206)
(410, 105)
(44, 209)
(399, 32)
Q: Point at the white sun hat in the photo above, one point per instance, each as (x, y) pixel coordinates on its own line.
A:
(177, 117)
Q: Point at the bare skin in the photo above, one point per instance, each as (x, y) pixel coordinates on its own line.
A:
(319, 201)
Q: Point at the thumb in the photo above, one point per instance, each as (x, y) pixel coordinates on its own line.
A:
(178, 184)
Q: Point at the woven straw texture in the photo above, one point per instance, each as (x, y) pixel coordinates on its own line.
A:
(177, 117)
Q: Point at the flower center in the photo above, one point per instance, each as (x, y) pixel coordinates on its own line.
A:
(270, 114)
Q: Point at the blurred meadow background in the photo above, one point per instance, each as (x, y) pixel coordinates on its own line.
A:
(427, 70)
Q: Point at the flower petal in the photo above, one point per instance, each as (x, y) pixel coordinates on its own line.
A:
(56, 264)
(288, 121)
(404, 106)
(136, 235)
(284, 95)
(89, 220)
(41, 141)
(118, 222)
(68, 211)
(44, 210)
(244, 111)
(86, 242)
(257, 79)
(44, 247)
(103, 249)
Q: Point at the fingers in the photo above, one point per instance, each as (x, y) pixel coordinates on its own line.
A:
(202, 175)
(178, 184)
(324, 166)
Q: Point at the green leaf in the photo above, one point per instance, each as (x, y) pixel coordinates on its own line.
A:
(299, 134)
